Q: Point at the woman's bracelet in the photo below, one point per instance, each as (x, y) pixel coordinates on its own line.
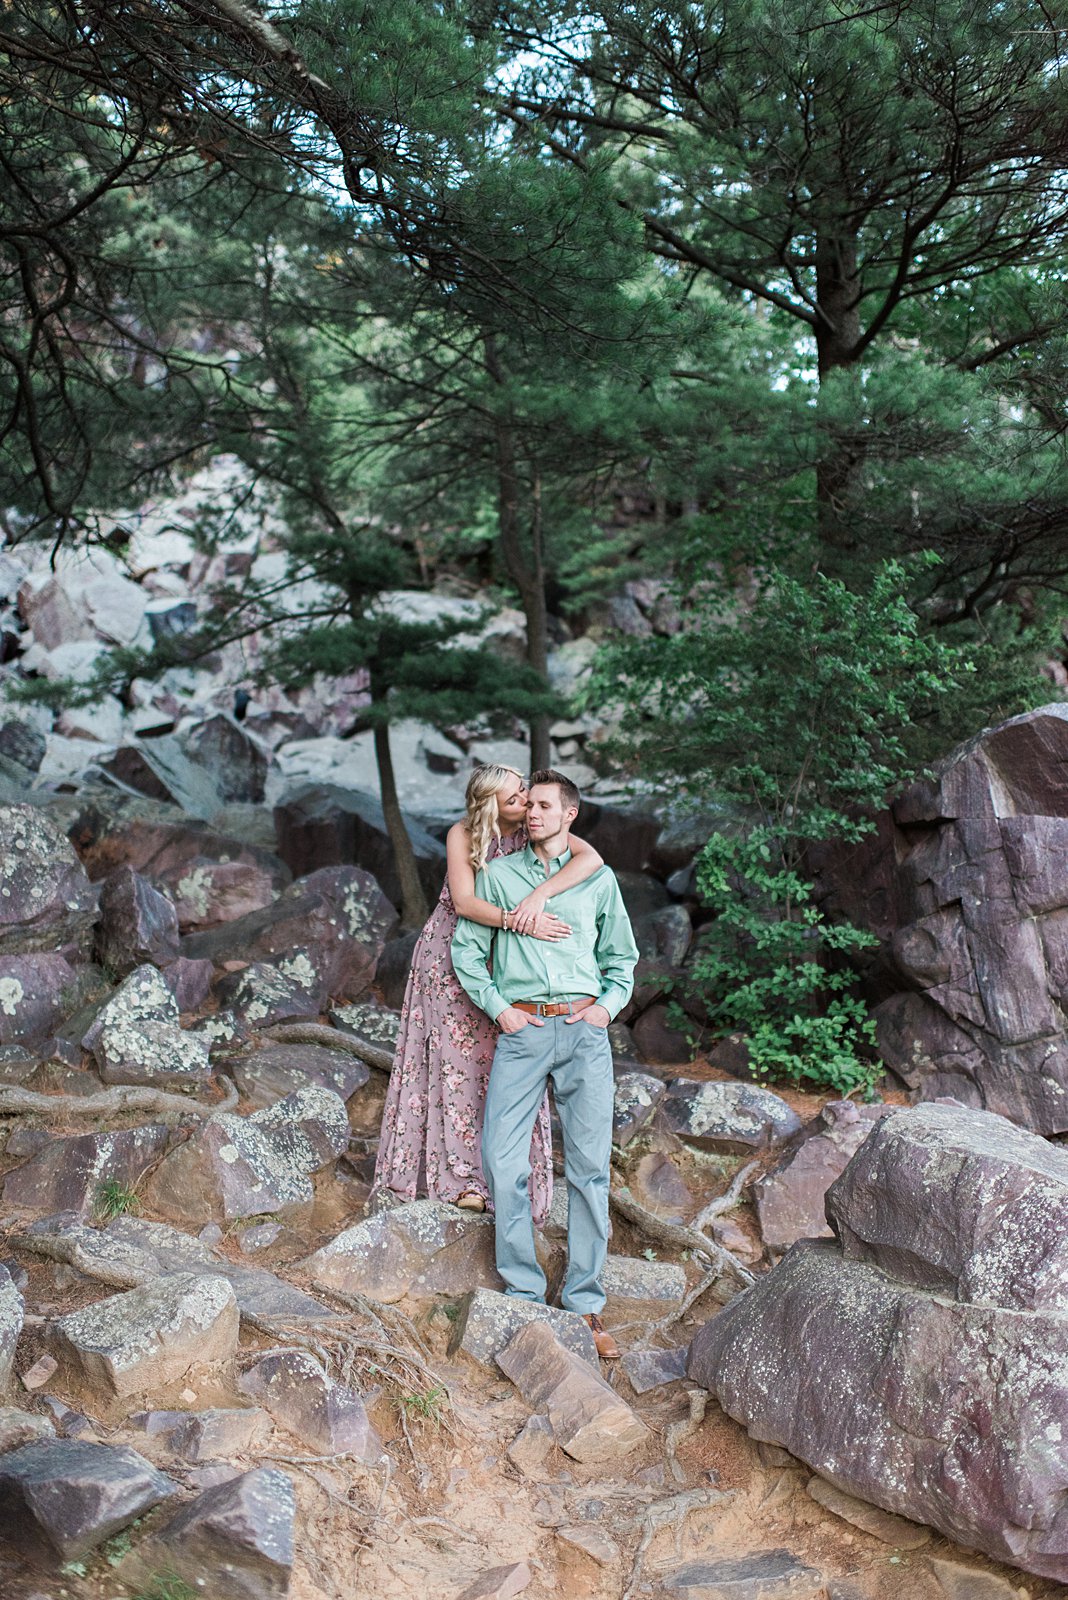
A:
(505, 922)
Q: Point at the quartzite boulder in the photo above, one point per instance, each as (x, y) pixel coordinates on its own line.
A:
(60, 1498)
(323, 826)
(1007, 1193)
(589, 1420)
(236, 759)
(146, 1339)
(420, 1249)
(67, 1174)
(641, 1291)
(327, 1417)
(790, 1197)
(922, 1364)
(966, 885)
(339, 914)
(46, 901)
(249, 1166)
(133, 1250)
(736, 1118)
(235, 1541)
(768, 1575)
(488, 1321)
(137, 923)
(206, 1435)
(275, 1070)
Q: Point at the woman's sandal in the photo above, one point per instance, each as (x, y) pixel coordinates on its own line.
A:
(471, 1200)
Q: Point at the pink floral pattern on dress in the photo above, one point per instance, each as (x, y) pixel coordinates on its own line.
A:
(431, 1139)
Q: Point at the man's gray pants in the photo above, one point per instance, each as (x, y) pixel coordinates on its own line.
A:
(578, 1058)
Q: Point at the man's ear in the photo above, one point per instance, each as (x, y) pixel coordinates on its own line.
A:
(572, 813)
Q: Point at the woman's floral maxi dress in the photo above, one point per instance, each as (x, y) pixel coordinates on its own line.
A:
(432, 1123)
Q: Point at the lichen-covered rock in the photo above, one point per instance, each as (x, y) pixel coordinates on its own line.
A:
(274, 1070)
(67, 1174)
(266, 992)
(638, 1291)
(144, 1339)
(137, 924)
(248, 1166)
(136, 1037)
(1008, 1190)
(337, 915)
(11, 1314)
(46, 900)
(948, 1414)
(488, 1321)
(589, 1420)
(235, 1541)
(421, 1249)
(735, 1118)
(327, 1417)
(375, 1026)
(36, 993)
(637, 1095)
(60, 1498)
(790, 1196)
(206, 892)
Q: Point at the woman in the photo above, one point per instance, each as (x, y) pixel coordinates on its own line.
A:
(432, 1122)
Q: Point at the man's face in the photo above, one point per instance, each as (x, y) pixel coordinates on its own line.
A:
(546, 813)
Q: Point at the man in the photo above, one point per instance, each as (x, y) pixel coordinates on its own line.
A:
(553, 1002)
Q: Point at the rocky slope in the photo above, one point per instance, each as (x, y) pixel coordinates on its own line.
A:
(224, 1376)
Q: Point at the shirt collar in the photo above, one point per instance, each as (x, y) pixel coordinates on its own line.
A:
(534, 862)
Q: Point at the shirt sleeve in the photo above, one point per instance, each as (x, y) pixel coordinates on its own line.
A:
(471, 946)
(615, 950)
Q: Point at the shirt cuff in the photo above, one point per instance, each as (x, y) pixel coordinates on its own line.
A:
(494, 1003)
(613, 1001)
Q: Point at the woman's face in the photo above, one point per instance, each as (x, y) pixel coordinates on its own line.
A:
(512, 799)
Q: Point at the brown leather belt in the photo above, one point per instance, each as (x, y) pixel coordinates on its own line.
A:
(554, 1008)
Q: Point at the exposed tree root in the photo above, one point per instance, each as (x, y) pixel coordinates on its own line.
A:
(377, 1056)
(677, 1236)
(121, 1097)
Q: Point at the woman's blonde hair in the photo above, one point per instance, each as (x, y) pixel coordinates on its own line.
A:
(482, 819)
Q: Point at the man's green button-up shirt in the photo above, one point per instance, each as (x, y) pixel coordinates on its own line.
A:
(597, 958)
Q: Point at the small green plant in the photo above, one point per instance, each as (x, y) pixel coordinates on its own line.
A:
(114, 1198)
(427, 1405)
(166, 1586)
(649, 1254)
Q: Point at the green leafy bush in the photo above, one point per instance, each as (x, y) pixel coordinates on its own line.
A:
(802, 709)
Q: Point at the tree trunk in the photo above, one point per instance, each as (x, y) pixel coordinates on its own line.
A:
(525, 568)
(837, 336)
(413, 901)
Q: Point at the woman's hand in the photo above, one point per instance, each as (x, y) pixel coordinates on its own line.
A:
(547, 925)
(529, 908)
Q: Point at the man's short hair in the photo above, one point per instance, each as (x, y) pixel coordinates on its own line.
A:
(568, 791)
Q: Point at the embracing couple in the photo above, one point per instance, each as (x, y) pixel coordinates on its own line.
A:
(505, 994)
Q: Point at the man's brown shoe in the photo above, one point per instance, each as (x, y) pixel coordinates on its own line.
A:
(605, 1345)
